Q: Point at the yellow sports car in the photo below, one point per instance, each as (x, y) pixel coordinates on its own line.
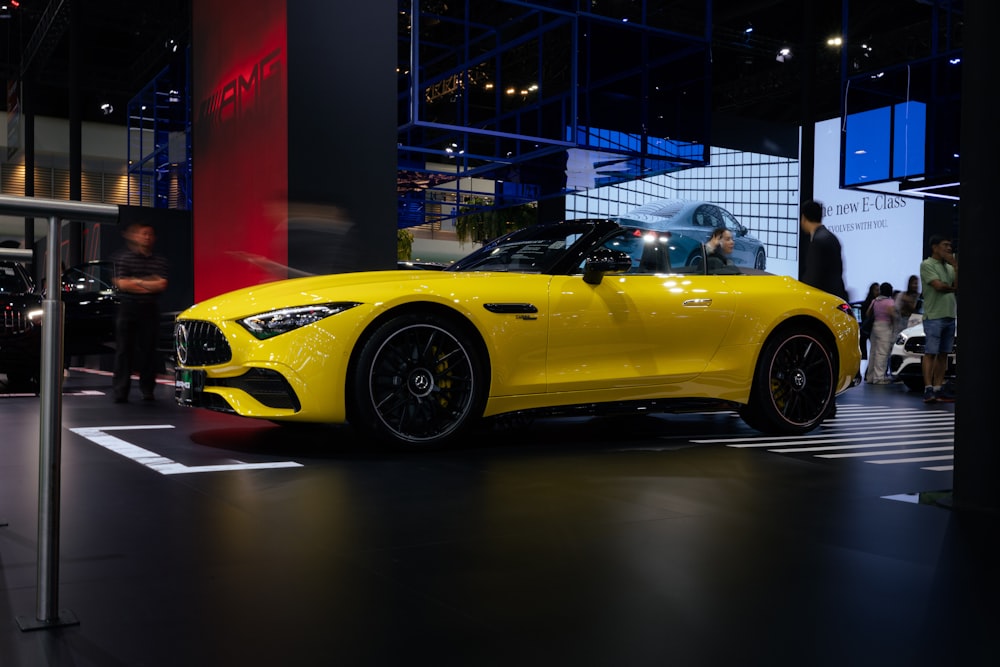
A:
(577, 315)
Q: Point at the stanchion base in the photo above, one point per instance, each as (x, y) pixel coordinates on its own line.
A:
(66, 617)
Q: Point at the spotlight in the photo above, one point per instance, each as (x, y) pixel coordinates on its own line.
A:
(107, 109)
(171, 45)
(784, 55)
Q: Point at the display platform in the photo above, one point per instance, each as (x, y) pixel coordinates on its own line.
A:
(196, 538)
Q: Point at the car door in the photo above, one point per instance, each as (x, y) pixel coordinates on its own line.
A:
(640, 328)
(91, 302)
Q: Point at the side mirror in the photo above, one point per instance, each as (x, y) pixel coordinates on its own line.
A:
(605, 260)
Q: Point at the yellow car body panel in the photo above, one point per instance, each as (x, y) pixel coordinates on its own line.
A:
(629, 337)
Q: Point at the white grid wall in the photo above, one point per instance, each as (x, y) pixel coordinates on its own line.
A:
(762, 191)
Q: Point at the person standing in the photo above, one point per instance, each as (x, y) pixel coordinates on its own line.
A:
(908, 303)
(141, 277)
(883, 309)
(939, 275)
(824, 262)
(865, 306)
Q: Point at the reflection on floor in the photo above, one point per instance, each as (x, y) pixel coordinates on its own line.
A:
(655, 540)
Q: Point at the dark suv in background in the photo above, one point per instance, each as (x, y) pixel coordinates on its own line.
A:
(20, 334)
(88, 325)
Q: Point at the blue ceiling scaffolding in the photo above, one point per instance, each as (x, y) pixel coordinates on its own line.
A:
(512, 92)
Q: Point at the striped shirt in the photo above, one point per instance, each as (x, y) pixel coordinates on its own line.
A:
(131, 264)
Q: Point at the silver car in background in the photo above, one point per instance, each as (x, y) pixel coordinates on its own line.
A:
(697, 219)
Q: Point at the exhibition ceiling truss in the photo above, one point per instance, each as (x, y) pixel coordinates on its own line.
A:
(497, 96)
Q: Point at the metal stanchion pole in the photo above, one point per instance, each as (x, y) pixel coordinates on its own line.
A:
(48, 614)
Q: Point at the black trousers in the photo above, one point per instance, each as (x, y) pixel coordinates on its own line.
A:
(135, 348)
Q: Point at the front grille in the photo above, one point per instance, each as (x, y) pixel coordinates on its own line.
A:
(914, 344)
(15, 322)
(200, 344)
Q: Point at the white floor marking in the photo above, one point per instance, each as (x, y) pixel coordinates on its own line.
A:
(161, 464)
(918, 459)
(887, 452)
(774, 442)
(932, 441)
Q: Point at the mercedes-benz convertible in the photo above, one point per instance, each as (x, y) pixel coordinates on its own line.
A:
(577, 315)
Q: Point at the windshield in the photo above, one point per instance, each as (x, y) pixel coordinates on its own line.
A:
(565, 247)
(12, 280)
(535, 249)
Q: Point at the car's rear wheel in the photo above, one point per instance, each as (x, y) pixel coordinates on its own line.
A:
(418, 380)
(793, 387)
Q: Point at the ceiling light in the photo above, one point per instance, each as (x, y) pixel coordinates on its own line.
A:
(835, 41)
(784, 55)
(107, 109)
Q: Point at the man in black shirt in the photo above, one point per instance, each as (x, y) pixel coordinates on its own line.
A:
(141, 277)
(824, 262)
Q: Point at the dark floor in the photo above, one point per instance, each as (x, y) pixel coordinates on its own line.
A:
(658, 540)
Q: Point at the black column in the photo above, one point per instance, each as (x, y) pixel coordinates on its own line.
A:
(27, 108)
(342, 133)
(807, 120)
(977, 455)
(75, 229)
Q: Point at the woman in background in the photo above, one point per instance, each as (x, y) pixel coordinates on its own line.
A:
(884, 310)
(865, 305)
(908, 303)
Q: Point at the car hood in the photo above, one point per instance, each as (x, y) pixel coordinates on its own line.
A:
(361, 286)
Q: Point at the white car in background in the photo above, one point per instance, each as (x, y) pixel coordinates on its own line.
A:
(907, 354)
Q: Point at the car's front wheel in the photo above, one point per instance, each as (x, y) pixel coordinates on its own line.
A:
(793, 387)
(760, 261)
(419, 380)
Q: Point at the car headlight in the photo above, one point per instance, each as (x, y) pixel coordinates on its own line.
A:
(276, 322)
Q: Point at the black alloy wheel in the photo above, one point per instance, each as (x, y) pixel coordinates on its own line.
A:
(418, 381)
(793, 388)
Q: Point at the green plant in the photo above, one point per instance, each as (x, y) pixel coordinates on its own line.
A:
(404, 244)
(479, 221)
